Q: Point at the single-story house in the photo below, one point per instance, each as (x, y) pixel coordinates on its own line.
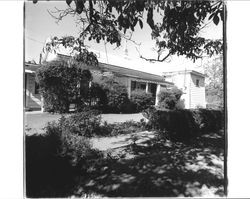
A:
(191, 82)
(132, 79)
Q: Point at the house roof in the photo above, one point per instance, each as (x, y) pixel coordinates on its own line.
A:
(31, 68)
(122, 71)
(184, 71)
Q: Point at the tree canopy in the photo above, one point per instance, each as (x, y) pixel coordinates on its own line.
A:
(214, 85)
(175, 25)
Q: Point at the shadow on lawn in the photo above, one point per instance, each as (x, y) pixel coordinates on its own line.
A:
(160, 168)
(154, 168)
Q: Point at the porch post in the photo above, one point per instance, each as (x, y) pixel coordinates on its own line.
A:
(42, 103)
(129, 88)
(158, 88)
(147, 87)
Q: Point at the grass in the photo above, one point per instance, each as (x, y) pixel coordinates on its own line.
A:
(154, 167)
(37, 121)
(141, 164)
(160, 168)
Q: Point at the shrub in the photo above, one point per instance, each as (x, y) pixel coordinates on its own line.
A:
(114, 95)
(98, 98)
(141, 100)
(185, 123)
(122, 128)
(55, 160)
(117, 98)
(85, 123)
(62, 85)
(170, 99)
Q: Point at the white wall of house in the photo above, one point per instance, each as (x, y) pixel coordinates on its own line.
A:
(181, 81)
(193, 95)
(32, 99)
(197, 92)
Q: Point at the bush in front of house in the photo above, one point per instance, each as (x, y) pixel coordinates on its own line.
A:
(114, 96)
(86, 123)
(141, 100)
(185, 124)
(117, 96)
(170, 99)
(55, 160)
(98, 98)
(61, 85)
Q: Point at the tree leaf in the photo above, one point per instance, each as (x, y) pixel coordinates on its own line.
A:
(140, 23)
(222, 16)
(216, 19)
(68, 2)
(79, 6)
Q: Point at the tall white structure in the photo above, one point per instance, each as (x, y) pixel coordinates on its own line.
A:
(192, 83)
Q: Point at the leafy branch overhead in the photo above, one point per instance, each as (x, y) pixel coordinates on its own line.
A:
(78, 50)
(175, 25)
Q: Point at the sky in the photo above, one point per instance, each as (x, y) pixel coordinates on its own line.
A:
(39, 25)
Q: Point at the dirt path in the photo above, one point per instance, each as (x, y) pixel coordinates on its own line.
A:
(108, 143)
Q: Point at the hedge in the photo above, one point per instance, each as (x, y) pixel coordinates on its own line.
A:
(187, 122)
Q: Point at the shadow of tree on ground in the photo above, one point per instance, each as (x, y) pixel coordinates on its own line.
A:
(158, 168)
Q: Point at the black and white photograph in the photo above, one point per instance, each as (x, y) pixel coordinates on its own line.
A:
(125, 98)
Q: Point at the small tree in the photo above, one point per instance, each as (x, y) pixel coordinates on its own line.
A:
(98, 96)
(214, 83)
(141, 100)
(116, 95)
(168, 99)
(62, 85)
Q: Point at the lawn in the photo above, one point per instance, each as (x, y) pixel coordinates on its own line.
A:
(140, 164)
(156, 167)
(36, 121)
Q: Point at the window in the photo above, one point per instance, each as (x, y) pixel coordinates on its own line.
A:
(142, 86)
(197, 82)
(133, 85)
(36, 88)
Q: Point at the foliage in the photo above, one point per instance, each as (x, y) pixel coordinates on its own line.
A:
(176, 29)
(127, 127)
(59, 85)
(98, 97)
(54, 160)
(56, 179)
(141, 100)
(170, 99)
(185, 124)
(79, 53)
(86, 123)
(116, 98)
(214, 84)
